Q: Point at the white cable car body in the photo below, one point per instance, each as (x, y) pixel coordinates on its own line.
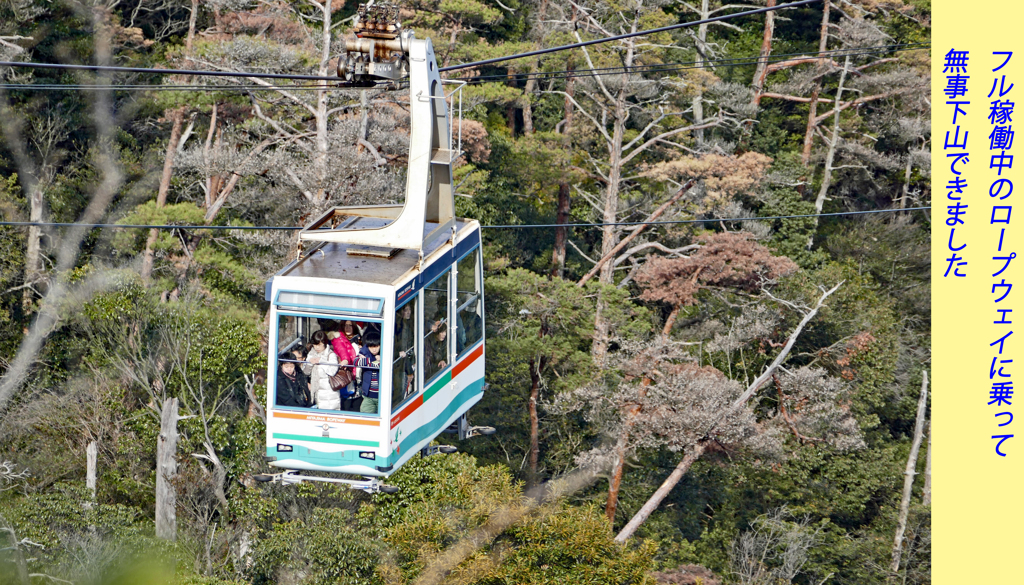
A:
(391, 267)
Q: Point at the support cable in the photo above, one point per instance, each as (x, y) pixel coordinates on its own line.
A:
(116, 69)
(493, 227)
(626, 36)
(540, 75)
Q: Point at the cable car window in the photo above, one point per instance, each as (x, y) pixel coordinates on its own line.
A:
(469, 314)
(316, 363)
(330, 303)
(288, 334)
(435, 320)
(403, 367)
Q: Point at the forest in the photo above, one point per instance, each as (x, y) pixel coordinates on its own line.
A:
(706, 259)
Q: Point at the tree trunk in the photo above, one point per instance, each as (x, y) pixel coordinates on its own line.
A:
(561, 234)
(531, 83)
(698, 99)
(693, 453)
(906, 181)
(191, 27)
(166, 470)
(90, 468)
(564, 199)
(33, 253)
(320, 160)
(908, 479)
(926, 492)
(620, 453)
(535, 366)
(761, 72)
(177, 114)
(812, 115)
(826, 179)
(606, 259)
(364, 117)
(599, 349)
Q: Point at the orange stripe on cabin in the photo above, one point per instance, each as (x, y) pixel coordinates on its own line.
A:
(462, 365)
(329, 419)
(416, 403)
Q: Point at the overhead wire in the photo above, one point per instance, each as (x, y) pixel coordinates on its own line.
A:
(685, 65)
(670, 27)
(208, 73)
(504, 226)
(158, 71)
(539, 75)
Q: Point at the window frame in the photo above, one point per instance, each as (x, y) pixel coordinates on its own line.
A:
(417, 382)
(277, 364)
(448, 272)
(479, 277)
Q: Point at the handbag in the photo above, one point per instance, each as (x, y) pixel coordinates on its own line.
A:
(341, 379)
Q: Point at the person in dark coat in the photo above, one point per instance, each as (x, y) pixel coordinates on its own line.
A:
(292, 385)
(369, 361)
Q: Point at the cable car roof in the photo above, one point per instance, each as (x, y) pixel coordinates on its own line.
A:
(337, 262)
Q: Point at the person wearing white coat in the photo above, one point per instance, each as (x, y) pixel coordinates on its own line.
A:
(321, 364)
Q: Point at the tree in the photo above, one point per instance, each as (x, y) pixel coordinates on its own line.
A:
(727, 413)
(774, 550)
(541, 323)
(730, 260)
(875, 78)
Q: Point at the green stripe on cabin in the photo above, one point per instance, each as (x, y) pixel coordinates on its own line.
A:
(332, 440)
(437, 385)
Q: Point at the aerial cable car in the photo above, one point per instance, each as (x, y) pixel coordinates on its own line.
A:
(409, 275)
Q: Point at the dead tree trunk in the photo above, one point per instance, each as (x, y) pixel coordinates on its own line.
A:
(695, 450)
(908, 479)
(166, 470)
(830, 156)
(812, 121)
(33, 255)
(90, 468)
(761, 72)
(605, 260)
(698, 99)
(693, 453)
(165, 183)
(926, 491)
(906, 182)
(599, 349)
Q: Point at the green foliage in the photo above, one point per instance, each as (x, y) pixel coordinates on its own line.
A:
(572, 545)
(321, 548)
(195, 329)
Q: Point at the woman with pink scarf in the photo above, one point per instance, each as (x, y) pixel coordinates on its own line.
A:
(347, 353)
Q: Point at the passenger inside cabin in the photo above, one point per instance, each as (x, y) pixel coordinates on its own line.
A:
(435, 353)
(405, 357)
(469, 324)
(347, 353)
(292, 385)
(369, 362)
(321, 364)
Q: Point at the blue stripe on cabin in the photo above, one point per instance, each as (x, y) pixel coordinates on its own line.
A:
(436, 267)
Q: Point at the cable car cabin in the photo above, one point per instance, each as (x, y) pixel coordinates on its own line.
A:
(409, 275)
(429, 369)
